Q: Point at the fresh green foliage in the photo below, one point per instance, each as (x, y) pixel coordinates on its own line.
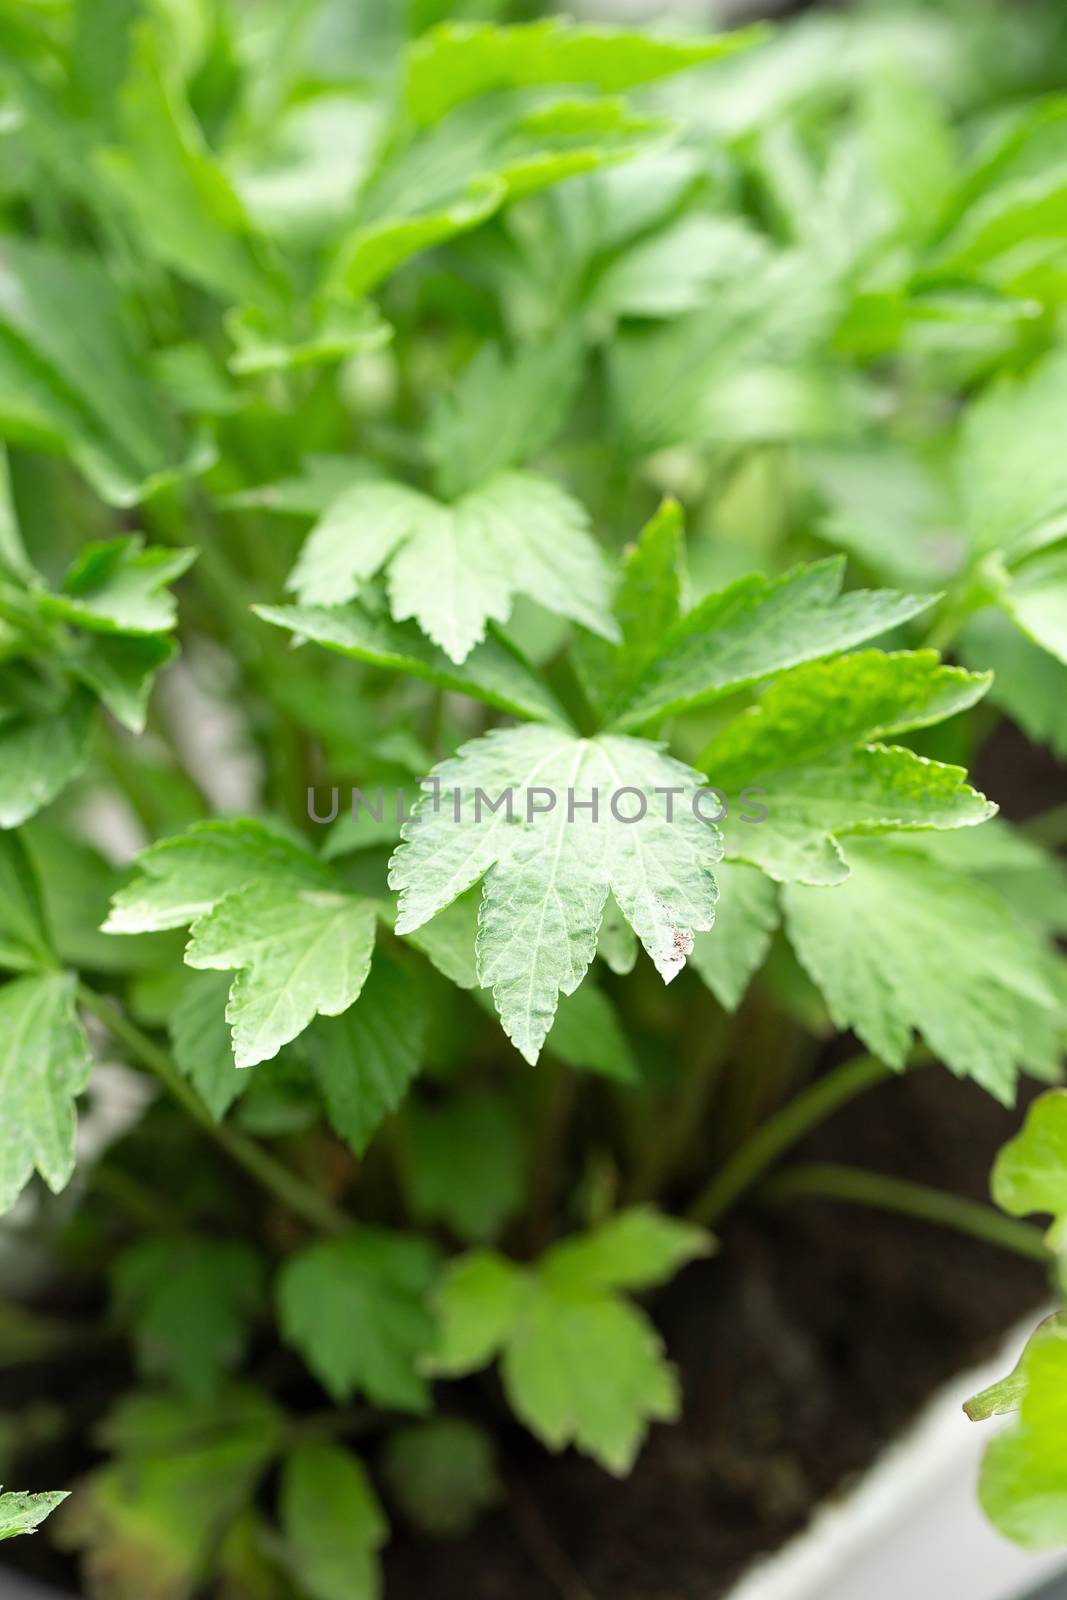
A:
(607, 489)
(24, 1513)
(581, 1365)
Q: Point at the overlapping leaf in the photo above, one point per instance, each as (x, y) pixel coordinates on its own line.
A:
(553, 867)
(811, 751)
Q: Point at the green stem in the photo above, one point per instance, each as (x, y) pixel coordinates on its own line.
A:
(826, 1180)
(303, 1200)
(804, 1112)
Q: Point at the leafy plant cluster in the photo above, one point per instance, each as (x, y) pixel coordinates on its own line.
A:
(508, 403)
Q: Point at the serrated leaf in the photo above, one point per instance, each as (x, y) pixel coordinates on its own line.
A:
(200, 1040)
(441, 1474)
(906, 943)
(492, 672)
(374, 250)
(580, 1364)
(553, 869)
(181, 878)
(39, 755)
(811, 752)
(456, 568)
(365, 1060)
(72, 374)
(332, 1522)
(1023, 1482)
(24, 1513)
(746, 917)
(465, 1164)
(458, 60)
(357, 1310)
(1030, 1172)
(298, 953)
(45, 1065)
(588, 1370)
(117, 586)
(757, 627)
(25, 944)
(190, 1302)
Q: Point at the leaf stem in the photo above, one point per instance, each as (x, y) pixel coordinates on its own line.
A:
(804, 1112)
(827, 1180)
(293, 1192)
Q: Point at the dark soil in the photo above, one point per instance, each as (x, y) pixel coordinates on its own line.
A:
(807, 1343)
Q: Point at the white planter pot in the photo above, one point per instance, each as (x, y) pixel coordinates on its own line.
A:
(911, 1526)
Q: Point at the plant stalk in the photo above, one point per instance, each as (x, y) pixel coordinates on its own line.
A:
(827, 1180)
(286, 1186)
(804, 1112)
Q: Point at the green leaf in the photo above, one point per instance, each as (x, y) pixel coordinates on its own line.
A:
(588, 1370)
(912, 148)
(263, 906)
(1010, 472)
(459, 60)
(810, 751)
(190, 1302)
(119, 587)
(580, 1364)
(200, 1039)
(365, 1060)
(465, 1164)
(441, 1474)
(477, 1302)
(647, 604)
(72, 374)
(553, 868)
(332, 1522)
(373, 251)
(181, 878)
(337, 327)
(25, 944)
(1036, 596)
(1030, 1172)
(179, 199)
(153, 1517)
(39, 755)
(492, 672)
(456, 568)
(357, 1310)
(588, 1034)
(298, 953)
(1023, 1483)
(120, 670)
(502, 412)
(1006, 1395)
(746, 917)
(906, 943)
(757, 627)
(45, 1066)
(1028, 684)
(636, 1249)
(24, 1513)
